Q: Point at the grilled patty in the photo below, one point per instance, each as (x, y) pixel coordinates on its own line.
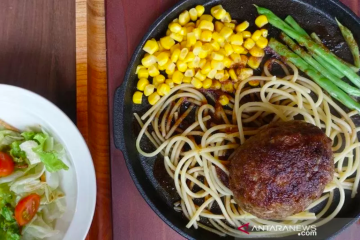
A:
(282, 169)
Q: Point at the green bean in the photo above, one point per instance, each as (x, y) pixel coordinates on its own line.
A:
(312, 62)
(291, 21)
(327, 85)
(351, 42)
(310, 45)
(323, 63)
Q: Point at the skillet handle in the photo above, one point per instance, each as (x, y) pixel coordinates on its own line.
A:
(118, 117)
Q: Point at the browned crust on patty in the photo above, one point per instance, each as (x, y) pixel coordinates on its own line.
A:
(282, 169)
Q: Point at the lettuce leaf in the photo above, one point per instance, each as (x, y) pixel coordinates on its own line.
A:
(9, 229)
(17, 154)
(7, 137)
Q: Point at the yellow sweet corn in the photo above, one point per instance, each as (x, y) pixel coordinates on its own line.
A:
(163, 89)
(256, 35)
(170, 82)
(257, 52)
(218, 12)
(173, 48)
(227, 87)
(183, 53)
(177, 77)
(261, 21)
(168, 32)
(181, 65)
(206, 17)
(224, 100)
(218, 26)
(175, 55)
(254, 62)
(207, 83)
(236, 85)
(151, 46)
(137, 97)
(228, 49)
(197, 32)
(206, 25)
(246, 34)
(170, 68)
(200, 10)
(219, 75)
(159, 79)
(216, 84)
(163, 58)
(149, 89)
(217, 65)
(187, 80)
(225, 77)
(232, 74)
(176, 36)
(206, 68)
(148, 61)
(262, 42)
(230, 25)
(167, 42)
(226, 18)
(175, 27)
(189, 73)
(206, 36)
(184, 17)
(227, 62)
(153, 71)
(217, 56)
(203, 52)
(235, 57)
(238, 49)
(183, 44)
(193, 14)
(217, 37)
(196, 83)
(236, 39)
(244, 60)
(202, 63)
(138, 68)
(197, 23)
(183, 32)
(200, 76)
(254, 83)
(191, 65)
(161, 48)
(226, 32)
(249, 44)
(242, 26)
(245, 73)
(264, 32)
(190, 57)
(191, 39)
(212, 73)
(142, 83)
(154, 98)
(215, 45)
(143, 73)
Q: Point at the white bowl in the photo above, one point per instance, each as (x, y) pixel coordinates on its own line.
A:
(22, 108)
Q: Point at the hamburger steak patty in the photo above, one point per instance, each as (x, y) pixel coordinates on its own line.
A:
(282, 169)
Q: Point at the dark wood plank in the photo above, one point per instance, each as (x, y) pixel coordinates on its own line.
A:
(132, 217)
(37, 39)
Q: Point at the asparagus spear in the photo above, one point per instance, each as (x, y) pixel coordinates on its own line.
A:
(312, 62)
(331, 88)
(291, 21)
(350, 40)
(310, 45)
(316, 38)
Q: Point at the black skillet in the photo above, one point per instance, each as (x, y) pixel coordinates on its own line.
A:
(148, 173)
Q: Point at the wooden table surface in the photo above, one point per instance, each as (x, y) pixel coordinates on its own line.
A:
(127, 22)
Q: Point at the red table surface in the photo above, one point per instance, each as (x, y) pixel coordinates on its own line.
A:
(127, 21)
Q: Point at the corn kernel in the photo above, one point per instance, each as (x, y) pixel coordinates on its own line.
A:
(190, 24)
(200, 10)
(151, 46)
(177, 77)
(197, 61)
(218, 26)
(236, 39)
(153, 71)
(245, 73)
(261, 21)
(215, 45)
(206, 17)
(161, 48)
(159, 78)
(187, 80)
(184, 17)
(257, 52)
(230, 25)
(262, 42)
(148, 60)
(226, 32)
(138, 68)
(236, 85)
(203, 53)
(175, 27)
(225, 77)
(235, 57)
(197, 23)
(249, 43)
(256, 35)
(207, 83)
(238, 49)
(254, 62)
(206, 68)
(170, 68)
(167, 42)
(218, 12)
(206, 25)
(163, 58)
(197, 32)
(143, 73)
(219, 75)
(217, 65)
(245, 52)
(227, 62)
(202, 63)
(183, 53)
(173, 48)
(224, 100)
(232, 74)
(154, 98)
(228, 49)
(196, 83)
(193, 14)
(242, 26)
(170, 82)
(181, 65)
(149, 89)
(206, 36)
(142, 83)
(227, 87)
(200, 76)
(191, 65)
(137, 97)
(175, 55)
(217, 56)
(163, 89)
(264, 32)
(191, 39)
(244, 60)
(226, 18)
(189, 73)
(177, 37)
(183, 44)
(190, 57)
(217, 37)
(216, 84)
(212, 73)
(246, 34)
(254, 83)
(176, 20)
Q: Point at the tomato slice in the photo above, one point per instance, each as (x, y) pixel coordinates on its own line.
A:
(26, 209)
(6, 165)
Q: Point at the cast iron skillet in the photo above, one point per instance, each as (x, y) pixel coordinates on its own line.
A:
(149, 174)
